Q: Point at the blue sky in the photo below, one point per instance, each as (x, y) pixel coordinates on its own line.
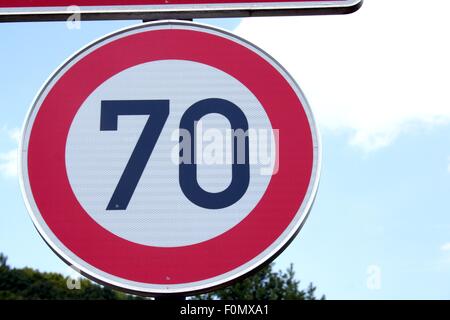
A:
(378, 82)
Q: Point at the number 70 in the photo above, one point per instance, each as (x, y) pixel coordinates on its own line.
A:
(158, 112)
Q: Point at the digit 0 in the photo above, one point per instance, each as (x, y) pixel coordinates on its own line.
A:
(240, 148)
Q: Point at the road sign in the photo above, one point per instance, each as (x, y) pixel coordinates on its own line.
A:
(44, 10)
(169, 157)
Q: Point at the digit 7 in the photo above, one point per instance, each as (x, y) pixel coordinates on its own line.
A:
(158, 112)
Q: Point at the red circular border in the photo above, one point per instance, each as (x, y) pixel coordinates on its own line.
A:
(111, 254)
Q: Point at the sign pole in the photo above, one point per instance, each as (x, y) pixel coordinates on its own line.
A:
(170, 298)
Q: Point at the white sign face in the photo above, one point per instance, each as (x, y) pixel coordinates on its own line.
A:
(172, 168)
(159, 213)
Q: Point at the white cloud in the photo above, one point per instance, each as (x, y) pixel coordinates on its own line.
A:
(8, 159)
(8, 163)
(378, 73)
(445, 247)
(14, 134)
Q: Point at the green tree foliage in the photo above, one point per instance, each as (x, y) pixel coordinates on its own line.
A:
(27, 283)
(265, 285)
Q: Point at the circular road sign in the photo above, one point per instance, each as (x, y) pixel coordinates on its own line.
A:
(169, 157)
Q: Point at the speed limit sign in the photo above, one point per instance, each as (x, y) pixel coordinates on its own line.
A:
(169, 157)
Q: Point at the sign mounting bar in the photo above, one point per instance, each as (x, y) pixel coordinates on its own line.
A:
(53, 10)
